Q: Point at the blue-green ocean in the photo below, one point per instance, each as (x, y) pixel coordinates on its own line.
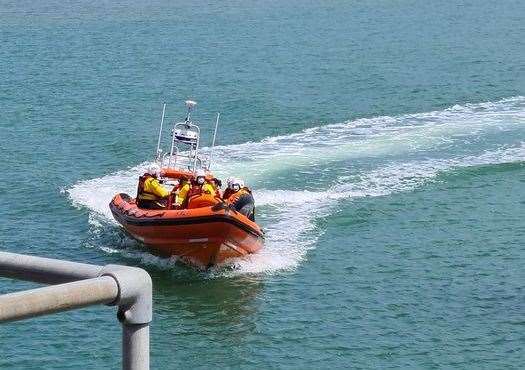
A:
(384, 142)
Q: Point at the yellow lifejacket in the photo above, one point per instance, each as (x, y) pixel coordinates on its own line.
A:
(208, 188)
(182, 193)
(150, 189)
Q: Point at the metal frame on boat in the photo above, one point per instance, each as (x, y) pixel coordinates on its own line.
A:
(185, 135)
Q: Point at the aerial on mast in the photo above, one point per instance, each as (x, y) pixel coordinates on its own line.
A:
(190, 104)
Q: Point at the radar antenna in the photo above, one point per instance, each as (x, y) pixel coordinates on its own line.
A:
(190, 104)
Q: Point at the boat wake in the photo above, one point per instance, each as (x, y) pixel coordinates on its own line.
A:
(370, 157)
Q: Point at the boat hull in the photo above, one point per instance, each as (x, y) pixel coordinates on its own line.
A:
(202, 237)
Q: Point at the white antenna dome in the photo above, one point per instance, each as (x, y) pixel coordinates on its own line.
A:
(190, 103)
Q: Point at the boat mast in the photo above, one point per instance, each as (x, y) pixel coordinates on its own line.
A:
(191, 104)
(213, 141)
(158, 153)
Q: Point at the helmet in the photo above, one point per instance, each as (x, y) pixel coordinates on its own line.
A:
(229, 182)
(200, 176)
(200, 173)
(237, 184)
(153, 170)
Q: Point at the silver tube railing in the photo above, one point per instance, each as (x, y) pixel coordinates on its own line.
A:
(81, 285)
(57, 298)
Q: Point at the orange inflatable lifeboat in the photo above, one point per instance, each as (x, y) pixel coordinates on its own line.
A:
(202, 236)
(208, 231)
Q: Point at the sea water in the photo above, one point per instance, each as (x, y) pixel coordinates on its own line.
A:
(384, 142)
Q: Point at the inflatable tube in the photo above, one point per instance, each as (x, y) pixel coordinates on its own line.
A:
(201, 236)
(202, 200)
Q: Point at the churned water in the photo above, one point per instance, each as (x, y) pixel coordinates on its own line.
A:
(384, 142)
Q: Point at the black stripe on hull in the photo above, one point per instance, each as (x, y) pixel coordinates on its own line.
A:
(123, 218)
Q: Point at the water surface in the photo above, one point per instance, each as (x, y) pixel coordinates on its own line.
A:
(384, 142)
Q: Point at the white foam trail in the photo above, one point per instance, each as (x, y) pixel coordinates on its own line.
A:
(294, 233)
(96, 194)
(289, 216)
(369, 137)
(390, 179)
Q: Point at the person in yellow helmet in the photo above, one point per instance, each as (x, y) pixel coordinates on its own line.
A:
(150, 193)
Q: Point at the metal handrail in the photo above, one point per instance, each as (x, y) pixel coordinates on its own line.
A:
(57, 298)
(81, 285)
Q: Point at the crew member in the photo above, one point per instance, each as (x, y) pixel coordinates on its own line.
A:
(216, 183)
(235, 189)
(240, 199)
(201, 185)
(150, 193)
(181, 194)
(229, 188)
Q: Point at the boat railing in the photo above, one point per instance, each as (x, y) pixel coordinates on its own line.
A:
(187, 136)
(77, 285)
(181, 162)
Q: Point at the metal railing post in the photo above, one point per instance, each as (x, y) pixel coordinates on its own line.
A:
(135, 346)
(135, 314)
(81, 285)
